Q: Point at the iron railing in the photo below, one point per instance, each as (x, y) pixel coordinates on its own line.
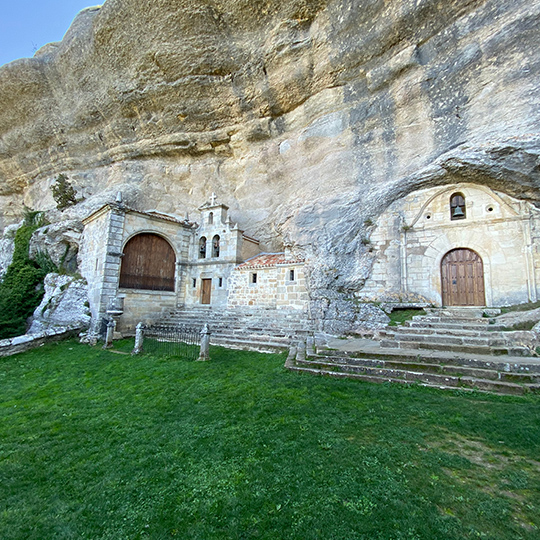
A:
(167, 340)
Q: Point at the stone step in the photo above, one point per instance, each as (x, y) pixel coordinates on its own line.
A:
(445, 339)
(444, 331)
(399, 331)
(453, 326)
(226, 321)
(484, 321)
(492, 372)
(250, 331)
(460, 312)
(286, 340)
(219, 328)
(447, 345)
(249, 344)
(377, 374)
(490, 362)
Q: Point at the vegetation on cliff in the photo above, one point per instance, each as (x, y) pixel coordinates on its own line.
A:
(21, 289)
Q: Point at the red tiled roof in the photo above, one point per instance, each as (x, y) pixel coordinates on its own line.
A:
(268, 259)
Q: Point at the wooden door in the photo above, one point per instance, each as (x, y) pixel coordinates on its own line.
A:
(462, 275)
(206, 291)
(148, 262)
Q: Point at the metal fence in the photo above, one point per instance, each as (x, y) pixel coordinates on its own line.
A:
(178, 341)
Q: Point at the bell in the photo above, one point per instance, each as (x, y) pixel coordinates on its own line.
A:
(458, 212)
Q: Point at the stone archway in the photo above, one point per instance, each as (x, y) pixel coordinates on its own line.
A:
(462, 278)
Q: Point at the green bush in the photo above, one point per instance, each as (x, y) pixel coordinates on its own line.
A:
(21, 289)
(64, 193)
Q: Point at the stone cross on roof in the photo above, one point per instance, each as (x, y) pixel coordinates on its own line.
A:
(213, 199)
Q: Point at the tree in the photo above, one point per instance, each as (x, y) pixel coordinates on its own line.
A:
(64, 193)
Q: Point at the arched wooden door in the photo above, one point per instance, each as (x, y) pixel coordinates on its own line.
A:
(148, 263)
(462, 275)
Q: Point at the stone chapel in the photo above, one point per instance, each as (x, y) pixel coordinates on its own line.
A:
(140, 266)
(456, 245)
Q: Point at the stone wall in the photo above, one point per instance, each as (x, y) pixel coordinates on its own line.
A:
(274, 288)
(93, 259)
(218, 272)
(144, 306)
(26, 342)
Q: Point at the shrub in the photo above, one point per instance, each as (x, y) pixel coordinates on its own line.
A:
(21, 289)
(64, 193)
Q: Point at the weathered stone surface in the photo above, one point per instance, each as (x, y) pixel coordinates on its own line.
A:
(307, 117)
(340, 316)
(7, 246)
(514, 318)
(61, 241)
(64, 304)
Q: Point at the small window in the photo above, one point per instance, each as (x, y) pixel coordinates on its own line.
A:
(254, 277)
(220, 281)
(202, 247)
(210, 218)
(215, 246)
(291, 275)
(457, 206)
(194, 283)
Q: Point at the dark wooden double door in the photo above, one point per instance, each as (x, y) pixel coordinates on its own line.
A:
(462, 274)
(148, 262)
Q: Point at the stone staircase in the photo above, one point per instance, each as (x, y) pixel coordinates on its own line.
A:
(459, 350)
(460, 330)
(264, 331)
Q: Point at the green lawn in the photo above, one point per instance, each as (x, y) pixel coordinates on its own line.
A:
(100, 445)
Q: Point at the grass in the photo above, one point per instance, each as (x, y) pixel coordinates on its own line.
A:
(100, 445)
(399, 316)
(521, 307)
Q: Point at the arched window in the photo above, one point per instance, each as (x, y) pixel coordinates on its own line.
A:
(457, 206)
(210, 218)
(148, 263)
(215, 246)
(202, 247)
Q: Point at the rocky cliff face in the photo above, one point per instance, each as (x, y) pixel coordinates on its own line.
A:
(307, 117)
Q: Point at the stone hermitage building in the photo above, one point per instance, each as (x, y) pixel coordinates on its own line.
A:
(460, 245)
(145, 265)
(456, 245)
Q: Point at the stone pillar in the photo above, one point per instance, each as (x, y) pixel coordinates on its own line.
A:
(205, 344)
(113, 258)
(310, 345)
(301, 351)
(139, 337)
(111, 325)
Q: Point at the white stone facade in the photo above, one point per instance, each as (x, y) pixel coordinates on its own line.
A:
(208, 266)
(413, 235)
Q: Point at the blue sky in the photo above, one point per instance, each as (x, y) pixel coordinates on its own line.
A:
(27, 25)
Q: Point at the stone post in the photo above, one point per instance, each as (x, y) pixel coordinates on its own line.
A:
(111, 325)
(205, 344)
(310, 345)
(301, 351)
(139, 337)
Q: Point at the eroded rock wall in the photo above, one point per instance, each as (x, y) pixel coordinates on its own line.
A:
(307, 117)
